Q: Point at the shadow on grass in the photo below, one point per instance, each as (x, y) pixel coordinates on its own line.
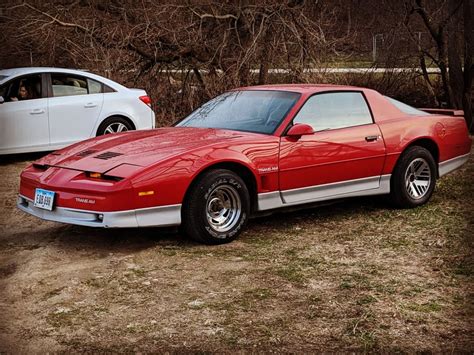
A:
(129, 240)
(23, 157)
(340, 208)
(73, 238)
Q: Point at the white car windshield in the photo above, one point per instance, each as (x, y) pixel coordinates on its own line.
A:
(258, 111)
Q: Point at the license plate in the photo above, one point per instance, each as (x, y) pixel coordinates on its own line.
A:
(44, 199)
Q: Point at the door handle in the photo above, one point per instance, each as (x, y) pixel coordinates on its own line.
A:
(90, 105)
(372, 138)
(37, 111)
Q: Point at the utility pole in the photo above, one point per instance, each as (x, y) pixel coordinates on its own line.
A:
(374, 45)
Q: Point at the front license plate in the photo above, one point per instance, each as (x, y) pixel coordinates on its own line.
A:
(44, 199)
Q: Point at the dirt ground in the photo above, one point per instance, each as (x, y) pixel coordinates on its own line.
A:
(355, 276)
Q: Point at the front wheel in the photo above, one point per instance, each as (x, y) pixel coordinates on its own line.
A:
(414, 178)
(217, 208)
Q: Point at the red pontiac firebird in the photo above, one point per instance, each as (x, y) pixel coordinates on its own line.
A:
(249, 150)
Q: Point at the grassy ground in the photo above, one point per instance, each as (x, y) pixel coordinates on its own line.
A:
(356, 276)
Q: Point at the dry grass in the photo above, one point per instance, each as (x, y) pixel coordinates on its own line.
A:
(356, 276)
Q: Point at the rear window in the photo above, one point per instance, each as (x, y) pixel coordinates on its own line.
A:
(406, 108)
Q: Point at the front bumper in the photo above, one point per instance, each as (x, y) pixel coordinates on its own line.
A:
(160, 216)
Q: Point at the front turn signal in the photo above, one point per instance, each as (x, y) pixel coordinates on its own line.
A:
(146, 193)
(102, 176)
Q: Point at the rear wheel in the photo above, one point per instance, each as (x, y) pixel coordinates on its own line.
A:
(414, 178)
(114, 124)
(217, 208)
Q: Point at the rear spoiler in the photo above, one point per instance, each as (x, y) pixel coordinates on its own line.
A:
(443, 111)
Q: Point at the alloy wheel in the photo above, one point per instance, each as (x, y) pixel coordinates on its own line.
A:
(418, 178)
(115, 128)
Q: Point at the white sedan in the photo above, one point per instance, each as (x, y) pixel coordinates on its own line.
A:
(49, 108)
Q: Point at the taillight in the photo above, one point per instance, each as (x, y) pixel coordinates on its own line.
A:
(146, 100)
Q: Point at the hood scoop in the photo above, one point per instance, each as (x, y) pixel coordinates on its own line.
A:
(85, 153)
(107, 155)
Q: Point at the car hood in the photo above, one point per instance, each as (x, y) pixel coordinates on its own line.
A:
(138, 148)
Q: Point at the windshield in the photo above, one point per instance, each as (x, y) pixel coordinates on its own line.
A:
(249, 110)
(406, 108)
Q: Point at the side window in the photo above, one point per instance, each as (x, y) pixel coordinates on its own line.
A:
(94, 86)
(24, 88)
(68, 85)
(334, 110)
(108, 89)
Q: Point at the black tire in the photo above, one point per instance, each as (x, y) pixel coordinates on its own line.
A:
(209, 201)
(114, 121)
(404, 189)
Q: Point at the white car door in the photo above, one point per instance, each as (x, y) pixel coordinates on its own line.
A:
(23, 115)
(74, 106)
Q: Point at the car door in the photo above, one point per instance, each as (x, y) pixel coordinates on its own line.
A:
(24, 115)
(74, 104)
(345, 154)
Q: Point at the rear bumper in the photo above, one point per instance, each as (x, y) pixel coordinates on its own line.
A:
(160, 216)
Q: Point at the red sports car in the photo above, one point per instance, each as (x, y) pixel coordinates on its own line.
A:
(249, 150)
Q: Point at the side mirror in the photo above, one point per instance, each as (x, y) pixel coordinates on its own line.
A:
(2, 100)
(300, 129)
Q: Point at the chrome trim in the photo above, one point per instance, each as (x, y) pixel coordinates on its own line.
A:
(450, 165)
(160, 216)
(223, 208)
(374, 185)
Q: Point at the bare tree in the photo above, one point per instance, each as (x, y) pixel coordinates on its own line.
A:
(213, 45)
(468, 10)
(442, 20)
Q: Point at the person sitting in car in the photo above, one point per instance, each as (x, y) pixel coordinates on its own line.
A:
(22, 94)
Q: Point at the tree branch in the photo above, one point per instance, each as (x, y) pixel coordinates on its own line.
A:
(56, 20)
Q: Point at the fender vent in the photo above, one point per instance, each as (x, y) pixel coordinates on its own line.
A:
(107, 155)
(85, 153)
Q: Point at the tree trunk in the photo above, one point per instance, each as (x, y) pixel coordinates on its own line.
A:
(263, 72)
(245, 39)
(201, 81)
(468, 11)
(426, 77)
(443, 68)
(438, 35)
(456, 80)
(265, 55)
